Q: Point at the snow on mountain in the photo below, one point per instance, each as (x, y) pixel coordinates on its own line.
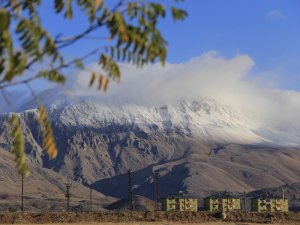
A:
(204, 143)
(206, 118)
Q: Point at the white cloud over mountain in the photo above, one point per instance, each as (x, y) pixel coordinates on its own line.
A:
(227, 80)
(209, 75)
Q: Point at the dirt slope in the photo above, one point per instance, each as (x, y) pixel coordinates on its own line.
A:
(43, 189)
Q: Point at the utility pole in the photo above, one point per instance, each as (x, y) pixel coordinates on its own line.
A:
(245, 202)
(245, 208)
(91, 199)
(130, 196)
(68, 194)
(156, 180)
(22, 206)
(282, 206)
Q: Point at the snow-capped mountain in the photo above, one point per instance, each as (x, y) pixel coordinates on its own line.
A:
(197, 145)
(205, 118)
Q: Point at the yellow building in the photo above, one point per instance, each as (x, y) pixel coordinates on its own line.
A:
(269, 204)
(179, 202)
(222, 203)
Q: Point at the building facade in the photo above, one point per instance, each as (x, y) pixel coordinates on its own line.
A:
(269, 204)
(222, 203)
(179, 202)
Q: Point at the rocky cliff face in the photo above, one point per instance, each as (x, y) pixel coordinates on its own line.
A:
(197, 146)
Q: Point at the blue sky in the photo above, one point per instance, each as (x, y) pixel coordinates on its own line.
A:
(266, 30)
(257, 35)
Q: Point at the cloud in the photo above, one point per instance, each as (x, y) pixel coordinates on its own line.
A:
(207, 76)
(156, 85)
(227, 80)
(276, 15)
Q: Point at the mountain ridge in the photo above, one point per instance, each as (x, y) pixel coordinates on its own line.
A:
(198, 146)
(203, 115)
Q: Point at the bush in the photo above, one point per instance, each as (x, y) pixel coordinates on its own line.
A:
(12, 209)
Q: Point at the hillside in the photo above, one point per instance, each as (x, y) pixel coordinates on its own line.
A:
(43, 189)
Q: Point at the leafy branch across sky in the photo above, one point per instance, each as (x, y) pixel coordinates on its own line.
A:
(133, 37)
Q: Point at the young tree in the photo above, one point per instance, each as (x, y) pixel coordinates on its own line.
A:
(134, 38)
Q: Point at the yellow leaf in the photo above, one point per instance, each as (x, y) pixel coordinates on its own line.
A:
(106, 81)
(97, 3)
(18, 145)
(92, 79)
(43, 114)
(100, 81)
(48, 137)
(52, 151)
(122, 29)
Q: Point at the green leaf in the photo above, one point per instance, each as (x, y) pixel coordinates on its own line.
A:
(178, 14)
(4, 19)
(2, 65)
(110, 66)
(53, 76)
(69, 10)
(59, 5)
(79, 64)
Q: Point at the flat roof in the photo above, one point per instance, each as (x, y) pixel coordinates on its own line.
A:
(223, 195)
(268, 197)
(179, 196)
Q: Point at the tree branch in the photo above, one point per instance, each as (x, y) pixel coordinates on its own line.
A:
(77, 37)
(62, 44)
(25, 81)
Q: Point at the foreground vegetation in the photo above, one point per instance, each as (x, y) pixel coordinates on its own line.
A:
(148, 218)
(161, 223)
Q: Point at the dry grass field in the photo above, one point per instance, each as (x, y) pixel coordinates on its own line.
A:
(162, 223)
(149, 218)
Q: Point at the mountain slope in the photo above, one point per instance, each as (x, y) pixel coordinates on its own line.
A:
(236, 168)
(43, 189)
